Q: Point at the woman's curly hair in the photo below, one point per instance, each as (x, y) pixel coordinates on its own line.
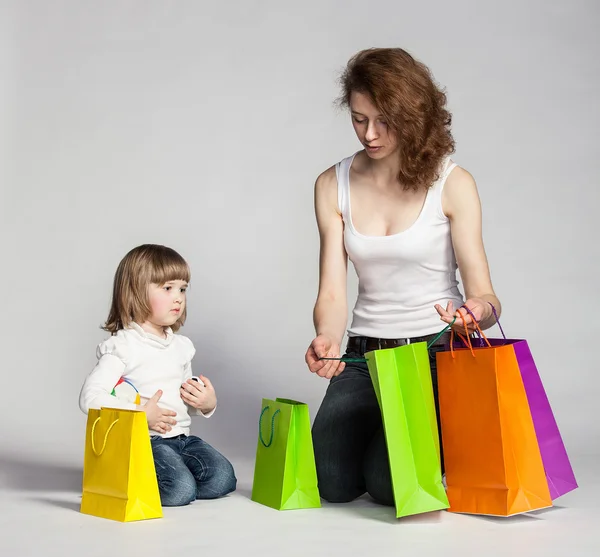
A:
(414, 107)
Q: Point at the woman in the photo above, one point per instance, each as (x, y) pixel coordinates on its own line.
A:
(407, 217)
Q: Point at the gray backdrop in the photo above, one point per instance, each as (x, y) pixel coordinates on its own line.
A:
(203, 126)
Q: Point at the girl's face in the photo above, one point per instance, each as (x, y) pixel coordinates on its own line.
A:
(371, 128)
(167, 302)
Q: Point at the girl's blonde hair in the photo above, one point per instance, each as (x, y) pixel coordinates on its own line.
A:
(142, 266)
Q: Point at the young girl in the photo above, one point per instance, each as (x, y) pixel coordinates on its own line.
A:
(148, 307)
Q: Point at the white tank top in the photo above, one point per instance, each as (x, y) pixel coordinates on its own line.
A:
(401, 277)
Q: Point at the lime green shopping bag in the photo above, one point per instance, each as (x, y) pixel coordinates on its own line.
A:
(285, 475)
(402, 380)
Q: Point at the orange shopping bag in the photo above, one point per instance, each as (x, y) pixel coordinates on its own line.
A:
(491, 454)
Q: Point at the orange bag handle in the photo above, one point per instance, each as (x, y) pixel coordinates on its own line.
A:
(467, 339)
(105, 436)
(480, 330)
(481, 335)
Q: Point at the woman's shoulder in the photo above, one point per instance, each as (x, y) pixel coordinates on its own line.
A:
(326, 193)
(458, 178)
(460, 190)
(327, 181)
(327, 177)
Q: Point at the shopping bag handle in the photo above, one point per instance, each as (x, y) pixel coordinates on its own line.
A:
(272, 426)
(467, 338)
(105, 436)
(436, 337)
(452, 333)
(495, 317)
(497, 320)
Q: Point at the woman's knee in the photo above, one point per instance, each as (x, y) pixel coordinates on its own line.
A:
(337, 492)
(338, 484)
(339, 470)
(381, 492)
(378, 481)
(378, 478)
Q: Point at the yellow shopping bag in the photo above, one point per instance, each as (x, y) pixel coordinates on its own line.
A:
(119, 478)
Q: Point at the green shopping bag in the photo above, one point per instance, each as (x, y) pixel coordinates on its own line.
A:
(285, 475)
(402, 380)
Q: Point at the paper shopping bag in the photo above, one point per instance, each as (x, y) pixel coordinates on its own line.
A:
(491, 454)
(402, 380)
(285, 475)
(119, 477)
(557, 467)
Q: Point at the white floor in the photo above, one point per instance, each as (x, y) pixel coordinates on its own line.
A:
(39, 516)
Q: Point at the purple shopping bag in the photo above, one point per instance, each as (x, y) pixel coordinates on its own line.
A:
(557, 466)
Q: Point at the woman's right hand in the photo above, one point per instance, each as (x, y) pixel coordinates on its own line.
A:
(324, 347)
(159, 419)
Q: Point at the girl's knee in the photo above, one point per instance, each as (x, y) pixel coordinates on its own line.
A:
(222, 481)
(227, 482)
(176, 484)
(177, 492)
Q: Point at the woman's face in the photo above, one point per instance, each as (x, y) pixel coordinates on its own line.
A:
(371, 128)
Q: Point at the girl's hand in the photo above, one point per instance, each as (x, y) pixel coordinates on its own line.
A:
(159, 419)
(201, 397)
(478, 307)
(324, 347)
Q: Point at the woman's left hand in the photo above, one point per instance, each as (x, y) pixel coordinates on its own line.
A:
(478, 307)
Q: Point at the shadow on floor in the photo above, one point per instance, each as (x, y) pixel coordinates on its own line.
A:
(29, 474)
(366, 508)
(68, 505)
(553, 509)
(245, 491)
(515, 519)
